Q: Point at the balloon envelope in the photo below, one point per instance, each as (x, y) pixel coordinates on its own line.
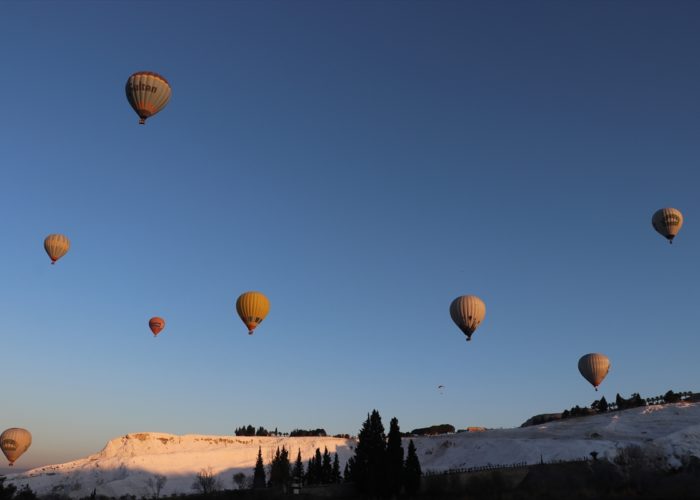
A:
(252, 307)
(594, 367)
(667, 222)
(156, 325)
(468, 311)
(56, 246)
(14, 442)
(148, 93)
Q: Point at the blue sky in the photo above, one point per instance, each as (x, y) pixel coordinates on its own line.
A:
(362, 164)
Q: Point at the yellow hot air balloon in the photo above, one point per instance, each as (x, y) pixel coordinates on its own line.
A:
(594, 367)
(252, 307)
(14, 442)
(468, 311)
(147, 93)
(667, 222)
(56, 245)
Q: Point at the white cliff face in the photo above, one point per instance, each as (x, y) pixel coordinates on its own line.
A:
(129, 464)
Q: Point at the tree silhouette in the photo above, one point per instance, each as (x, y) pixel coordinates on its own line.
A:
(394, 459)
(412, 470)
(298, 471)
(369, 463)
(259, 472)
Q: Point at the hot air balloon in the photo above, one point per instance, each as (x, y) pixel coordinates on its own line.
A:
(14, 442)
(156, 325)
(56, 245)
(667, 222)
(594, 367)
(252, 307)
(147, 93)
(468, 311)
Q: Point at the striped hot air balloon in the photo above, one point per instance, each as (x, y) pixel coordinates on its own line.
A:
(252, 307)
(156, 325)
(594, 367)
(468, 311)
(667, 222)
(147, 93)
(56, 246)
(14, 442)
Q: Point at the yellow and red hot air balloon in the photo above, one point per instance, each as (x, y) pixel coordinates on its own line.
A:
(14, 442)
(468, 311)
(148, 93)
(667, 222)
(56, 246)
(252, 307)
(156, 324)
(594, 367)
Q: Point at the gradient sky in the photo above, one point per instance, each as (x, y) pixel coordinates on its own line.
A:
(362, 164)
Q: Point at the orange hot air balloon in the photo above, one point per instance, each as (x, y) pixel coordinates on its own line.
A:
(156, 325)
(468, 311)
(252, 307)
(594, 367)
(56, 246)
(667, 222)
(148, 93)
(14, 442)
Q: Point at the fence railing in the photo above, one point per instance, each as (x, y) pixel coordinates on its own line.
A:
(494, 467)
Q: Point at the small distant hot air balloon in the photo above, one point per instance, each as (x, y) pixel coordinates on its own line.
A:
(156, 325)
(56, 245)
(468, 311)
(14, 442)
(667, 222)
(147, 93)
(252, 307)
(594, 367)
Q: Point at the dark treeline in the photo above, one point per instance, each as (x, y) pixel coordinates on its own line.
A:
(432, 430)
(305, 433)
(634, 401)
(10, 492)
(602, 406)
(378, 467)
(252, 431)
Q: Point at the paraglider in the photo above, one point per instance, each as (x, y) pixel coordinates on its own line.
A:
(594, 367)
(468, 311)
(14, 442)
(156, 325)
(56, 246)
(252, 307)
(440, 388)
(667, 222)
(148, 93)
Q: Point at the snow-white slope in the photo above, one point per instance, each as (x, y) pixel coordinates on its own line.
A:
(126, 464)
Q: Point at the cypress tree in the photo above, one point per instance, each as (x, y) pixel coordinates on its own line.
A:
(274, 469)
(280, 468)
(369, 464)
(335, 474)
(394, 459)
(326, 467)
(285, 466)
(298, 471)
(347, 471)
(259, 472)
(412, 470)
(318, 466)
(311, 472)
